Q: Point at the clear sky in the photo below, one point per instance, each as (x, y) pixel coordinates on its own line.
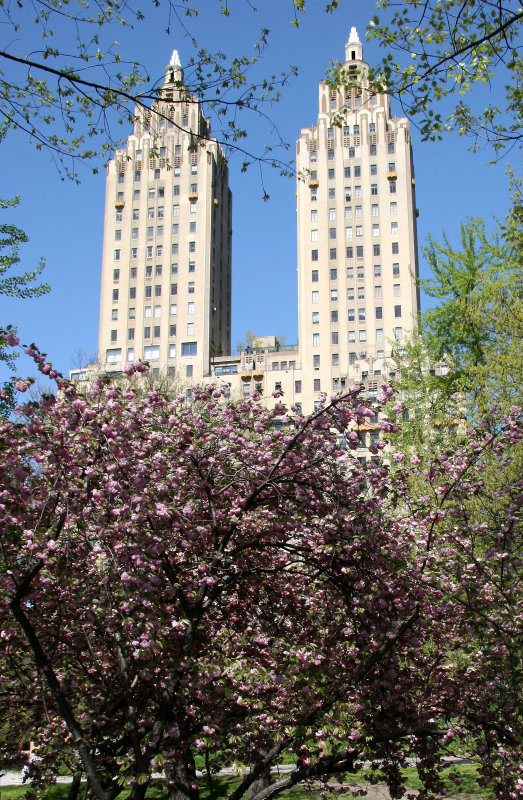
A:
(64, 221)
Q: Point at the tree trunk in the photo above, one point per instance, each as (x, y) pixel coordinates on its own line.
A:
(183, 778)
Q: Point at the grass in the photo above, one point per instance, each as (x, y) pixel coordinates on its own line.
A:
(223, 786)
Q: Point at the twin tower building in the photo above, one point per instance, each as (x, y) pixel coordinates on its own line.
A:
(166, 270)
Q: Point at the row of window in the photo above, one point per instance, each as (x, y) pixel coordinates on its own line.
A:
(358, 211)
(349, 231)
(151, 232)
(155, 252)
(360, 272)
(176, 170)
(349, 194)
(349, 251)
(151, 352)
(350, 152)
(149, 291)
(158, 270)
(158, 193)
(152, 332)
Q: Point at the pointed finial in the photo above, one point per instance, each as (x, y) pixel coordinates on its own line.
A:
(354, 38)
(175, 59)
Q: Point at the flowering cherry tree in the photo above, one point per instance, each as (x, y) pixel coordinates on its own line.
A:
(218, 579)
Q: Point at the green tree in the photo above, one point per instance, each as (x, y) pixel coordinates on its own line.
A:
(14, 285)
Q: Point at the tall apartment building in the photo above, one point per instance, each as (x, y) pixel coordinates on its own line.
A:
(166, 268)
(166, 274)
(357, 247)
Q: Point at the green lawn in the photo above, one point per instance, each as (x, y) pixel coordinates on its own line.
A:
(467, 772)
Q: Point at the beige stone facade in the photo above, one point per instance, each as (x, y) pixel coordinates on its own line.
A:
(357, 249)
(166, 268)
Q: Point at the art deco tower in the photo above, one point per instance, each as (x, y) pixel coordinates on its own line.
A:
(166, 268)
(357, 248)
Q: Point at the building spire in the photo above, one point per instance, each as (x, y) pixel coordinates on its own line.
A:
(175, 58)
(354, 47)
(173, 70)
(353, 38)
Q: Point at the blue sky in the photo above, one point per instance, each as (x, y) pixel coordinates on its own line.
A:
(64, 221)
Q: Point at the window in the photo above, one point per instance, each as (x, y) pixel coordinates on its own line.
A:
(334, 337)
(117, 254)
(379, 334)
(351, 314)
(130, 334)
(121, 177)
(348, 232)
(334, 274)
(397, 290)
(374, 188)
(192, 266)
(114, 336)
(332, 253)
(194, 169)
(334, 316)
(158, 290)
(314, 235)
(159, 250)
(376, 230)
(373, 169)
(172, 351)
(156, 174)
(148, 271)
(151, 352)
(395, 269)
(118, 235)
(190, 308)
(132, 292)
(348, 212)
(363, 336)
(314, 195)
(315, 339)
(352, 336)
(346, 172)
(372, 150)
(381, 354)
(392, 187)
(157, 311)
(395, 248)
(158, 270)
(352, 358)
(114, 313)
(192, 208)
(398, 333)
(314, 255)
(357, 191)
(148, 312)
(317, 384)
(192, 227)
(377, 292)
(315, 317)
(377, 270)
(352, 152)
(115, 295)
(194, 188)
(358, 211)
(176, 191)
(360, 273)
(359, 230)
(175, 229)
(332, 194)
(314, 276)
(190, 287)
(172, 330)
(189, 348)
(349, 252)
(393, 207)
(348, 197)
(330, 157)
(315, 297)
(173, 309)
(156, 331)
(149, 251)
(390, 147)
(159, 213)
(190, 329)
(192, 247)
(116, 274)
(375, 209)
(314, 215)
(357, 172)
(335, 359)
(379, 312)
(159, 230)
(361, 293)
(330, 133)
(331, 174)
(297, 387)
(174, 288)
(350, 293)
(332, 233)
(147, 333)
(113, 355)
(316, 362)
(350, 273)
(174, 249)
(119, 196)
(376, 250)
(397, 311)
(361, 314)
